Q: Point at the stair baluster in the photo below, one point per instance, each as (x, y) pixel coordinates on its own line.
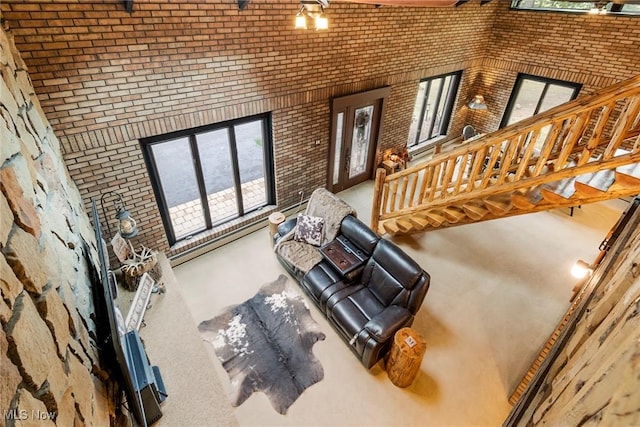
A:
(507, 172)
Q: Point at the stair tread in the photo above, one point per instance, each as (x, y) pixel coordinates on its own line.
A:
(419, 222)
(498, 205)
(632, 170)
(474, 211)
(435, 218)
(600, 180)
(404, 225)
(528, 199)
(453, 214)
(390, 226)
(563, 188)
(628, 177)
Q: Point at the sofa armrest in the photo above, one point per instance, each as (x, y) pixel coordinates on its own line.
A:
(284, 228)
(385, 324)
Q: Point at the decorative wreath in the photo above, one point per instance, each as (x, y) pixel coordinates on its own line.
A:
(362, 119)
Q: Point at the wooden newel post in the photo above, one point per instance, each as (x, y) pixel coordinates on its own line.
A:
(405, 357)
(376, 209)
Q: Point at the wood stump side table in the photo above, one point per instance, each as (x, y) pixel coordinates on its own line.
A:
(405, 357)
(275, 219)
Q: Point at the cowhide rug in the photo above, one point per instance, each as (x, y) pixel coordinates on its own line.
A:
(265, 344)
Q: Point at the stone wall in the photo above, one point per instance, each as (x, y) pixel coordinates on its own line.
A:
(48, 359)
(595, 380)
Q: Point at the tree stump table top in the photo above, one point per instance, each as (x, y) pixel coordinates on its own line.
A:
(405, 357)
(275, 219)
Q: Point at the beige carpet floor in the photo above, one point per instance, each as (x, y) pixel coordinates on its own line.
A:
(498, 289)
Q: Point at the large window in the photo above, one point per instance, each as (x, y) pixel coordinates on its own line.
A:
(432, 110)
(577, 6)
(207, 176)
(532, 95)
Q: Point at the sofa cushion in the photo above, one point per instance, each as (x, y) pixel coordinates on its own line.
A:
(353, 312)
(366, 302)
(397, 263)
(359, 234)
(299, 255)
(320, 278)
(383, 285)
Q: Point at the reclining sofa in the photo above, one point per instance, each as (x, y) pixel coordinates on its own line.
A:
(378, 293)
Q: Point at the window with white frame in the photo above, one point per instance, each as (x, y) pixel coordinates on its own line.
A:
(433, 107)
(207, 176)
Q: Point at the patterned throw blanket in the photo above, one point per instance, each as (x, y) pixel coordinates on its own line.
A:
(324, 204)
(265, 344)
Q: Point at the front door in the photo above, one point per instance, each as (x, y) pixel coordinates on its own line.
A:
(355, 129)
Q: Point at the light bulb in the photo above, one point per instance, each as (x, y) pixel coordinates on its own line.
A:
(301, 22)
(322, 23)
(580, 269)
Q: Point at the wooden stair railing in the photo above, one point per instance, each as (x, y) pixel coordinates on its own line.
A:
(528, 166)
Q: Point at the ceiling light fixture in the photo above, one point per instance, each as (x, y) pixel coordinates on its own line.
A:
(313, 9)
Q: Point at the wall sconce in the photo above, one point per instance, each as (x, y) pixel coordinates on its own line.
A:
(313, 9)
(477, 103)
(301, 20)
(581, 269)
(126, 224)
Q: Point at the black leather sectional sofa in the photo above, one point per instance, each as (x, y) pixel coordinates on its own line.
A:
(379, 295)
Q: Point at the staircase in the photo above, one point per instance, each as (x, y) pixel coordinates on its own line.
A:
(580, 152)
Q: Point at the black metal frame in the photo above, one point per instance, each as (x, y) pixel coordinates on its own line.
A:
(449, 100)
(547, 81)
(152, 168)
(616, 9)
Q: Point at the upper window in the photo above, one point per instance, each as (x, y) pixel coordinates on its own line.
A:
(578, 6)
(207, 176)
(432, 111)
(532, 95)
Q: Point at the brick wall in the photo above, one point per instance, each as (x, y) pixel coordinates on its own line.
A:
(107, 78)
(595, 50)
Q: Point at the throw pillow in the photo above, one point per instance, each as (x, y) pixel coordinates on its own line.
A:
(309, 229)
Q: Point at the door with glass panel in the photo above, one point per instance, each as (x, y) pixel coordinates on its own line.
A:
(355, 129)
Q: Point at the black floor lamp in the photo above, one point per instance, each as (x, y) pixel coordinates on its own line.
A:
(126, 224)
